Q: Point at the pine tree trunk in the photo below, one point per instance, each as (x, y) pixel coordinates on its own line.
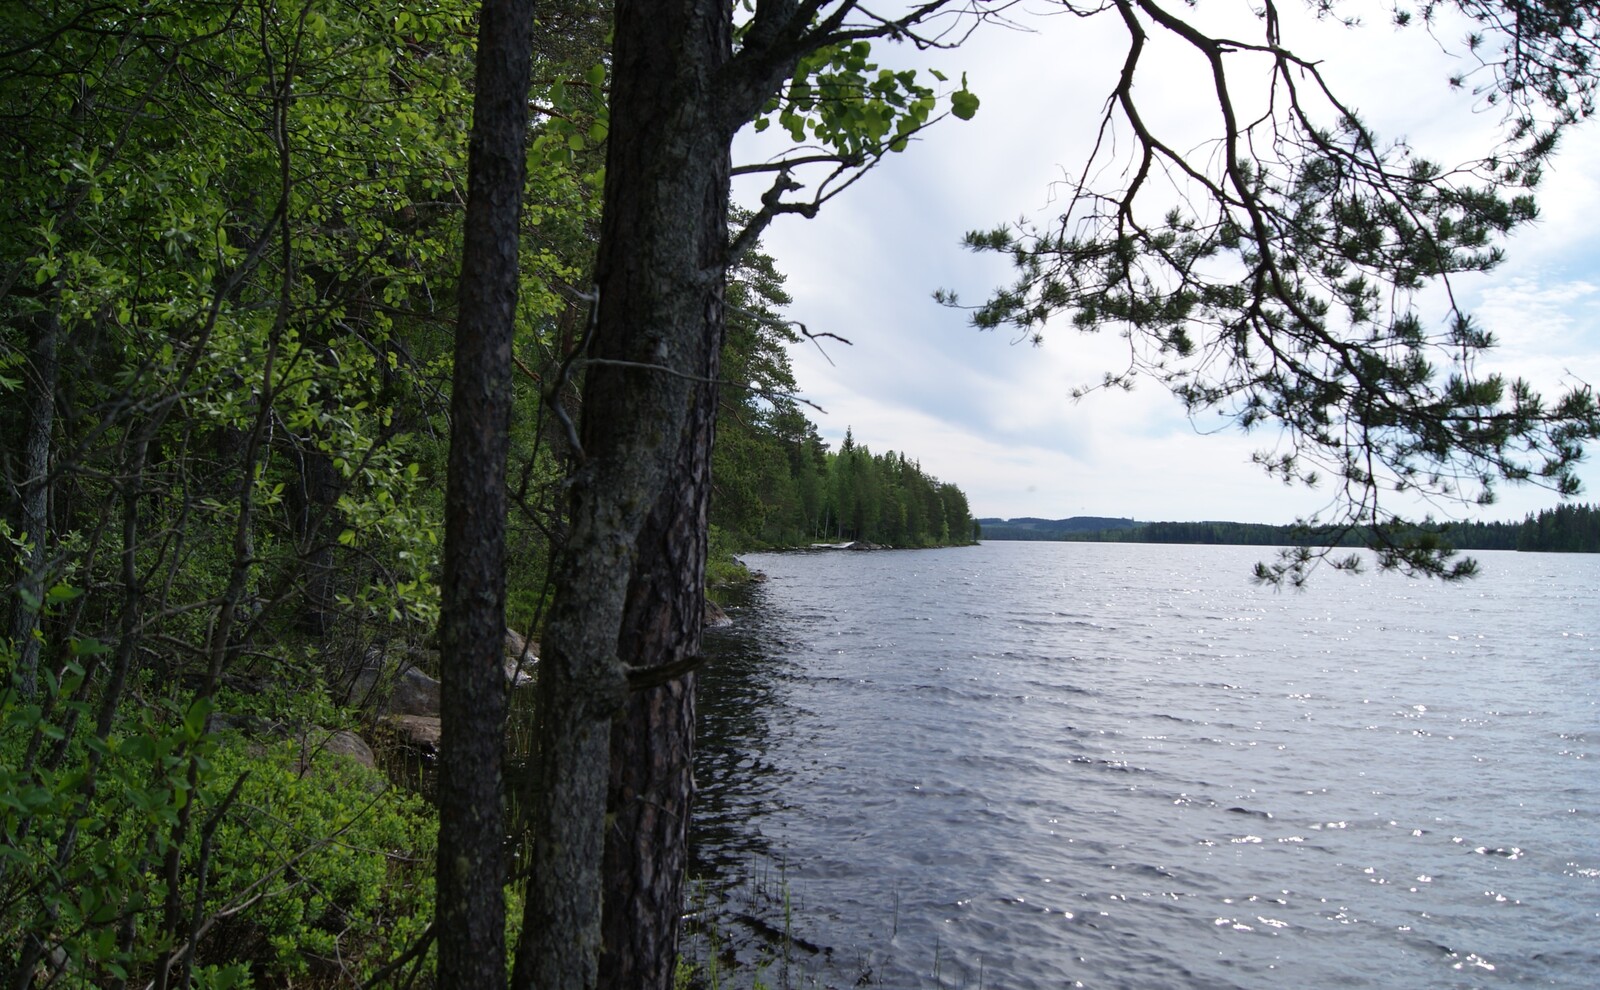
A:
(314, 504)
(470, 912)
(629, 589)
(652, 740)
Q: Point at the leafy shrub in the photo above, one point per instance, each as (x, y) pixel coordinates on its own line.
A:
(289, 870)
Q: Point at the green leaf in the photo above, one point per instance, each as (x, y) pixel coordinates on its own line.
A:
(964, 104)
(194, 720)
(88, 647)
(61, 593)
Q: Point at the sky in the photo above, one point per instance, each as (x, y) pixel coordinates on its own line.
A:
(996, 416)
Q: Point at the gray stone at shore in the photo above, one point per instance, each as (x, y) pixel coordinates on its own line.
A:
(715, 617)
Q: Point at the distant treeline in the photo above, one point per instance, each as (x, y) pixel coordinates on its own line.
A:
(1566, 528)
(774, 480)
(1029, 528)
(814, 494)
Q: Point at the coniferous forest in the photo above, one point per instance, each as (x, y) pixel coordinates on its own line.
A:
(775, 482)
(1570, 528)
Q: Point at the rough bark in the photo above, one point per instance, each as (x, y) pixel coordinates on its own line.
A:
(629, 583)
(470, 909)
(652, 738)
(613, 769)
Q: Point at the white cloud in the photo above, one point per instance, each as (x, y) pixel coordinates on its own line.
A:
(996, 418)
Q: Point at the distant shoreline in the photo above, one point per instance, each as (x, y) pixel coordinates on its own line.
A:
(1566, 528)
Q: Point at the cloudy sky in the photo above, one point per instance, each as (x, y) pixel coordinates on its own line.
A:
(996, 417)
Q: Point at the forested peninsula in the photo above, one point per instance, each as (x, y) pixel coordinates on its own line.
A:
(1570, 528)
(775, 482)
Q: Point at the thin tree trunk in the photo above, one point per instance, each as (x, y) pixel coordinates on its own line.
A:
(314, 504)
(470, 908)
(44, 371)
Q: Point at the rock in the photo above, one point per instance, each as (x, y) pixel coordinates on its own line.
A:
(339, 742)
(417, 731)
(415, 693)
(249, 725)
(519, 674)
(516, 646)
(411, 692)
(362, 691)
(522, 659)
(315, 745)
(715, 617)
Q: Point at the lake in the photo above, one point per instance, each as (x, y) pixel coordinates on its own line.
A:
(1030, 765)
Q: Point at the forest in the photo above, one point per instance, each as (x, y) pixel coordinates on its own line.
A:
(1570, 527)
(346, 346)
(229, 252)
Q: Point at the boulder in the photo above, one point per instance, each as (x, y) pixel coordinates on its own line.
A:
(245, 724)
(715, 617)
(316, 744)
(410, 692)
(416, 731)
(519, 674)
(521, 659)
(415, 693)
(364, 690)
(517, 646)
(340, 742)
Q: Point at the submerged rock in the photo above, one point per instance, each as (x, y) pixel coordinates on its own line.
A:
(715, 617)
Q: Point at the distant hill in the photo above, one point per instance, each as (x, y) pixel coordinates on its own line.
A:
(1030, 528)
(1566, 528)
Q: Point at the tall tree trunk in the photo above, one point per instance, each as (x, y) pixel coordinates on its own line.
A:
(313, 503)
(470, 908)
(652, 738)
(44, 370)
(630, 582)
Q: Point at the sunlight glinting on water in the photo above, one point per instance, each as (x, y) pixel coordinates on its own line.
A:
(1044, 765)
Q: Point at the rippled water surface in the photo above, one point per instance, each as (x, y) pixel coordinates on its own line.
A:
(1050, 765)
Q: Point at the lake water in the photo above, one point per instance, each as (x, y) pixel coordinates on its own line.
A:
(1029, 765)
